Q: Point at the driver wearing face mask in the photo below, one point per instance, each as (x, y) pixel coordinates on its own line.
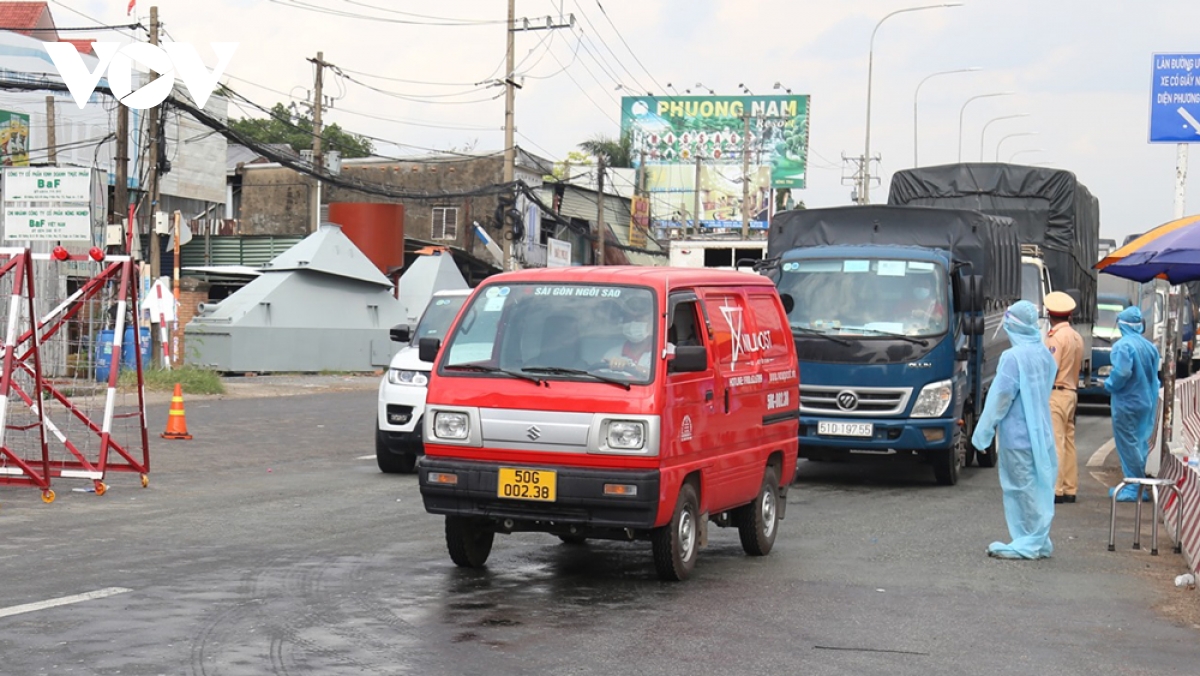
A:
(633, 356)
(925, 311)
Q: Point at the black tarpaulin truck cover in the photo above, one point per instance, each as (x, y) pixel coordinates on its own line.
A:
(987, 243)
(1050, 207)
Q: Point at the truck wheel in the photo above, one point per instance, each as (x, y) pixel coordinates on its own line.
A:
(469, 544)
(758, 521)
(945, 465)
(675, 544)
(389, 462)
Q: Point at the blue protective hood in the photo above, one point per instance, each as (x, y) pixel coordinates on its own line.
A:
(1129, 321)
(1021, 323)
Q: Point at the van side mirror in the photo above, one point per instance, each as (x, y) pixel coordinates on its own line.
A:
(689, 359)
(428, 348)
(789, 303)
(401, 333)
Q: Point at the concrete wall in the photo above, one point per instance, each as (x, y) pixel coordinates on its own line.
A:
(274, 200)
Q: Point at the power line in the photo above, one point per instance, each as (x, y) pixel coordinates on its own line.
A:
(631, 53)
(319, 9)
(584, 91)
(632, 77)
(423, 16)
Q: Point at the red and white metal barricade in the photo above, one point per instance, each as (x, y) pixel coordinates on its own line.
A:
(24, 457)
(70, 363)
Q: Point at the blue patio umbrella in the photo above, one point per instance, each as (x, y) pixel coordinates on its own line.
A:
(1171, 252)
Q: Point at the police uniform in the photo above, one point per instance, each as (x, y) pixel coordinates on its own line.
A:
(1066, 345)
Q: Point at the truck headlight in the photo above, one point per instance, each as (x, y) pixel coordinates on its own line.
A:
(626, 435)
(933, 400)
(450, 425)
(402, 377)
(1103, 371)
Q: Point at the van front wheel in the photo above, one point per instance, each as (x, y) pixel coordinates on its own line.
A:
(758, 521)
(469, 544)
(675, 544)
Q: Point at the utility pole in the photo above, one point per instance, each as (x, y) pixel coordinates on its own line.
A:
(510, 87)
(51, 141)
(746, 179)
(695, 204)
(121, 189)
(318, 157)
(155, 252)
(600, 211)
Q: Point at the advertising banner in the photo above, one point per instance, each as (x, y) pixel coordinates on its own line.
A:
(14, 139)
(639, 221)
(47, 223)
(670, 133)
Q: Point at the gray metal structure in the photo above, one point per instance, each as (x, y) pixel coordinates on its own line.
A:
(427, 275)
(319, 306)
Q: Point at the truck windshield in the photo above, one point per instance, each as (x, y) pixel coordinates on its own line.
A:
(1106, 322)
(553, 330)
(438, 315)
(1031, 284)
(866, 297)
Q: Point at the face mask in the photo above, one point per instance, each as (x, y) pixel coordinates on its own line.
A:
(636, 332)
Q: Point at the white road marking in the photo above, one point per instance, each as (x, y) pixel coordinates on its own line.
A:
(365, 457)
(1102, 453)
(63, 601)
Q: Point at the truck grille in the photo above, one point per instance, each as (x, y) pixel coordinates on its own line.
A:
(854, 401)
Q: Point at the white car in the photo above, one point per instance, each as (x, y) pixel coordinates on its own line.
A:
(398, 441)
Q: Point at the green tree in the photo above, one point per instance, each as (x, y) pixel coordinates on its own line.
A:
(564, 169)
(297, 132)
(616, 152)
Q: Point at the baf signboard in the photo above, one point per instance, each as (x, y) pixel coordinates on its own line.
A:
(48, 204)
(1175, 99)
(669, 133)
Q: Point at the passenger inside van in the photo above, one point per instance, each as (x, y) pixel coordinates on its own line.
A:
(634, 355)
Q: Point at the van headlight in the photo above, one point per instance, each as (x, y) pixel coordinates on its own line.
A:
(626, 435)
(451, 425)
(402, 377)
(933, 400)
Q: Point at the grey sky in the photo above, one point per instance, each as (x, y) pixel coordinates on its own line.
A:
(1081, 69)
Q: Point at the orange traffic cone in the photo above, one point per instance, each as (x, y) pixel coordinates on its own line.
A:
(176, 418)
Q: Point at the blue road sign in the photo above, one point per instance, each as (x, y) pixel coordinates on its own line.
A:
(1175, 99)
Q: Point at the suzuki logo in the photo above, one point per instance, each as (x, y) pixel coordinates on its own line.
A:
(847, 400)
(169, 59)
(534, 432)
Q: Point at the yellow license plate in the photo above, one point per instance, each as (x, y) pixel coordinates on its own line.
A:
(527, 484)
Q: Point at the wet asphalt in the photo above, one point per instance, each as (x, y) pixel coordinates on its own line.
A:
(269, 544)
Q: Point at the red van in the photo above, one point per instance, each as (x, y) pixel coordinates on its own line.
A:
(628, 403)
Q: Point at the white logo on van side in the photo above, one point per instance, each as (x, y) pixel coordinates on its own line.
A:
(743, 343)
(685, 429)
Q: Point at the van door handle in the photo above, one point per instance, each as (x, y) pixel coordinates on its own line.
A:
(727, 400)
(708, 395)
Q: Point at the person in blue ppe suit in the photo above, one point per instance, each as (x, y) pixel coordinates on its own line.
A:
(1133, 389)
(1018, 403)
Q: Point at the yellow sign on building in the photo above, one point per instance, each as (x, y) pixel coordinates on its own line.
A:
(14, 139)
(639, 221)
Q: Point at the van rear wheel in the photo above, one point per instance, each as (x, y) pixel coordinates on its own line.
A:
(675, 544)
(758, 522)
(469, 543)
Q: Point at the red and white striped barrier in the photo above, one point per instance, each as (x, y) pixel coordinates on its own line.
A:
(1187, 479)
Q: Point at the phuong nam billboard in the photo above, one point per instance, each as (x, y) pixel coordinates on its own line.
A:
(668, 133)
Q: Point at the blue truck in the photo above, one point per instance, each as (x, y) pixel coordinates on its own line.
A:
(896, 313)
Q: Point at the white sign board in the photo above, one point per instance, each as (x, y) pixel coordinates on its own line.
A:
(47, 184)
(47, 223)
(558, 253)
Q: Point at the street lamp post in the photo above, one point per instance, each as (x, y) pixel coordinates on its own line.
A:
(918, 93)
(1001, 141)
(964, 109)
(1019, 152)
(865, 195)
(983, 133)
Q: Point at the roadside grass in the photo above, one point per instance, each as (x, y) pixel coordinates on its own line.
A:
(193, 380)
